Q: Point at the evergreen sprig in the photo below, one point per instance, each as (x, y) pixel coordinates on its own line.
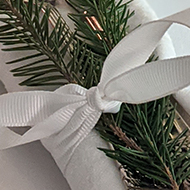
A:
(140, 134)
(160, 160)
(57, 55)
(112, 18)
(28, 26)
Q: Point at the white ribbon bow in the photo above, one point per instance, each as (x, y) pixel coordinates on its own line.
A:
(74, 110)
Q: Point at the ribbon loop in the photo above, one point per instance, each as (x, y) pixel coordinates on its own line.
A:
(135, 48)
(150, 81)
(71, 112)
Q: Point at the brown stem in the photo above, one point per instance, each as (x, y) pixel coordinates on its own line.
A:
(130, 143)
(173, 182)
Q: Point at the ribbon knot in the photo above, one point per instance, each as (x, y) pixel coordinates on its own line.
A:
(103, 104)
(72, 111)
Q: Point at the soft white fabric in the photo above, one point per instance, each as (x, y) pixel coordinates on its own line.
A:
(165, 47)
(78, 164)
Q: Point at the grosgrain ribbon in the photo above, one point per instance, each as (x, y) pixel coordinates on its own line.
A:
(74, 110)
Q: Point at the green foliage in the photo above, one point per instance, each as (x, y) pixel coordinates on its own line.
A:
(161, 159)
(140, 134)
(57, 56)
(85, 66)
(112, 17)
(27, 28)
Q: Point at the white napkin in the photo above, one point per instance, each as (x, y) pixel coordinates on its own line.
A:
(89, 168)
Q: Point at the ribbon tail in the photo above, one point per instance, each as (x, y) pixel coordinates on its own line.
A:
(48, 127)
(30, 108)
(181, 17)
(150, 81)
(63, 144)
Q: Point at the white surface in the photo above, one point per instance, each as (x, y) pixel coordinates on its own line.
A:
(165, 8)
(180, 35)
(30, 167)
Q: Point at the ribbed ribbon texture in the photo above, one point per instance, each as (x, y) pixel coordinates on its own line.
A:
(73, 111)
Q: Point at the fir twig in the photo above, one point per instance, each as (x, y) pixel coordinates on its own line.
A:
(140, 134)
(112, 17)
(29, 27)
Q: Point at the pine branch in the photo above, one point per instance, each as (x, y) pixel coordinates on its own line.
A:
(85, 65)
(157, 161)
(101, 23)
(59, 58)
(140, 134)
(29, 29)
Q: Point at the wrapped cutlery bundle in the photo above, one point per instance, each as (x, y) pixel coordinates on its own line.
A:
(82, 85)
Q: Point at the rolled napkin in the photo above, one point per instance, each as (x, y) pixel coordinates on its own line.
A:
(64, 118)
(183, 98)
(144, 14)
(89, 168)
